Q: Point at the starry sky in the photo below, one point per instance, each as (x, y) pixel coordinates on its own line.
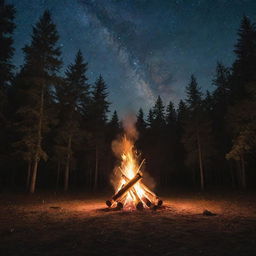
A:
(142, 48)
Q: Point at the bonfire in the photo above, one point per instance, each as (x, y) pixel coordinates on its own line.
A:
(130, 191)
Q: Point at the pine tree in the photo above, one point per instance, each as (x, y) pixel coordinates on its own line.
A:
(245, 50)
(208, 103)
(182, 112)
(7, 14)
(158, 114)
(220, 102)
(182, 117)
(194, 94)
(222, 82)
(241, 113)
(98, 109)
(99, 105)
(245, 64)
(71, 95)
(242, 122)
(171, 116)
(7, 26)
(37, 76)
(150, 118)
(156, 140)
(170, 144)
(140, 122)
(197, 131)
(114, 126)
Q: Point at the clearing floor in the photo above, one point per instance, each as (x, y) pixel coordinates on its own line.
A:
(81, 225)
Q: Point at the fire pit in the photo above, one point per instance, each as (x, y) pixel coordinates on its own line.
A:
(130, 191)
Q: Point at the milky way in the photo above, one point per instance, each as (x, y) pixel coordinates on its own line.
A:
(143, 48)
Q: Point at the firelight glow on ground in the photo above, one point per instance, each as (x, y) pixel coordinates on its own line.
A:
(63, 225)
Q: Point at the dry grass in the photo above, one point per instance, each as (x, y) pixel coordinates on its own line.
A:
(80, 225)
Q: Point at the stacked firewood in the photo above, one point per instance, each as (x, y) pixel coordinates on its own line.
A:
(148, 199)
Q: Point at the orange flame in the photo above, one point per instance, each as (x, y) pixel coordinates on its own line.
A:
(139, 194)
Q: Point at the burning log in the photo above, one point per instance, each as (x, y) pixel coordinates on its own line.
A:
(139, 206)
(124, 189)
(147, 191)
(146, 201)
(158, 201)
(119, 206)
(138, 203)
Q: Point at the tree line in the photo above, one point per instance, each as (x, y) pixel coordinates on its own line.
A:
(55, 131)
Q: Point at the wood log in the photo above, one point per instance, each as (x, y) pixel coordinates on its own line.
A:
(146, 201)
(138, 202)
(139, 206)
(119, 206)
(124, 189)
(127, 186)
(160, 202)
(144, 198)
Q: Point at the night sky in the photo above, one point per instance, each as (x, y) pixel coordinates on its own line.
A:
(143, 48)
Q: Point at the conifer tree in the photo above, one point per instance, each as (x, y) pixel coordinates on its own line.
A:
(222, 82)
(158, 114)
(220, 102)
(38, 74)
(150, 118)
(7, 14)
(241, 113)
(114, 126)
(197, 131)
(245, 64)
(99, 104)
(98, 109)
(242, 118)
(182, 112)
(182, 115)
(140, 122)
(245, 50)
(71, 95)
(7, 26)
(171, 115)
(194, 95)
(170, 143)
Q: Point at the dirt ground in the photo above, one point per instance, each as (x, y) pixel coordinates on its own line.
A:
(81, 225)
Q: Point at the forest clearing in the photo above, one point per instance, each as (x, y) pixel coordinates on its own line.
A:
(82, 225)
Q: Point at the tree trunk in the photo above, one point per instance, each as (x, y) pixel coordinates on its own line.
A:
(28, 174)
(200, 162)
(66, 174)
(232, 175)
(38, 146)
(96, 169)
(33, 177)
(243, 176)
(58, 176)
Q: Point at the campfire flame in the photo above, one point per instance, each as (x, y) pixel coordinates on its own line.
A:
(130, 192)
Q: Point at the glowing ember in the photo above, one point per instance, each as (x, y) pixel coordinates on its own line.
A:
(130, 192)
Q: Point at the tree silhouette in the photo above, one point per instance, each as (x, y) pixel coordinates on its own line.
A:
(197, 131)
(98, 109)
(245, 63)
(38, 74)
(7, 14)
(71, 94)
(7, 26)
(158, 114)
(140, 122)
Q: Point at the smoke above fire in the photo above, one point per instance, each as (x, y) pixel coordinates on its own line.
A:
(130, 132)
